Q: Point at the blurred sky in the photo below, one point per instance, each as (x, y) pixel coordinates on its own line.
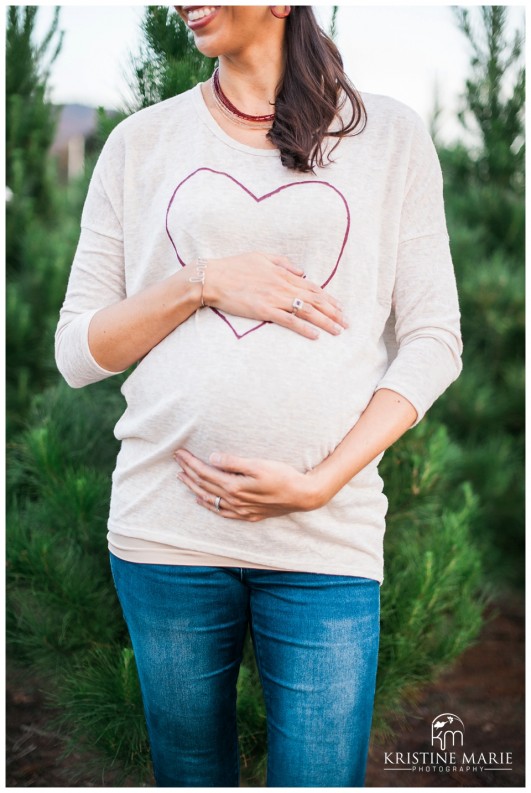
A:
(401, 51)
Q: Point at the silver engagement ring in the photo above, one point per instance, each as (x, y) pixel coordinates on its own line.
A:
(296, 305)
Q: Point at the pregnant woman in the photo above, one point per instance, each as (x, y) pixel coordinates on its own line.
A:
(270, 249)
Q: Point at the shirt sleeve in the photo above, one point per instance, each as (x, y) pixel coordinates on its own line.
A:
(97, 277)
(425, 301)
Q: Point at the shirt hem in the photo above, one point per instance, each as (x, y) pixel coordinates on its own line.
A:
(363, 571)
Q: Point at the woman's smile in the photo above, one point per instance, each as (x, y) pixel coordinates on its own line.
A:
(197, 17)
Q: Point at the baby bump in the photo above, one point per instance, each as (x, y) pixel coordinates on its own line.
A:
(271, 394)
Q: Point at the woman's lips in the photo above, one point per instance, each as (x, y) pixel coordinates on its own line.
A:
(200, 16)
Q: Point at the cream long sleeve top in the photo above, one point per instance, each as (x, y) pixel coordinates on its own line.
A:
(171, 186)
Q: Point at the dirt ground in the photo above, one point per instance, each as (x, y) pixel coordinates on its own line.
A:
(485, 689)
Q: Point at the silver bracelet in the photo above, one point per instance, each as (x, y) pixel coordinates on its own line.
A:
(199, 277)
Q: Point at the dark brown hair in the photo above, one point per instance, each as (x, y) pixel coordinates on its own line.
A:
(313, 89)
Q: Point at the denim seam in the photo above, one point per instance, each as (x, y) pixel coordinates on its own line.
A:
(258, 656)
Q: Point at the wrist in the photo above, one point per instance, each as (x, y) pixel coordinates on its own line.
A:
(210, 292)
(196, 279)
(317, 489)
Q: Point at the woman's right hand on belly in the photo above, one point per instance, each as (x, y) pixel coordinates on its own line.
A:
(263, 286)
(254, 285)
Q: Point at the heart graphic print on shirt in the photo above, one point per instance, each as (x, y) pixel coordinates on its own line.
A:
(212, 215)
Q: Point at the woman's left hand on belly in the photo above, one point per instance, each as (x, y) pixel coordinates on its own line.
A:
(249, 488)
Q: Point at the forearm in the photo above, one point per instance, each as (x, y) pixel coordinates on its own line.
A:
(121, 334)
(387, 416)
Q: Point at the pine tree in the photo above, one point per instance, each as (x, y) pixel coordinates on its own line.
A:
(30, 120)
(332, 30)
(485, 208)
(37, 244)
(169, 62)
(497, 114)
(30, 126)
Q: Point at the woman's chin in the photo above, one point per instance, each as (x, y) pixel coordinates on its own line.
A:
(209, 50)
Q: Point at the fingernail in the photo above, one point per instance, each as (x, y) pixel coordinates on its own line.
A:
(338, 329)
(314, 334)
(215, 458)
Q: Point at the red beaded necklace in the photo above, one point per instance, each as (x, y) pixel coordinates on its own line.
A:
(232, 112)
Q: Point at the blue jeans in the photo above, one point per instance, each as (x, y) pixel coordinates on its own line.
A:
(315, 639)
